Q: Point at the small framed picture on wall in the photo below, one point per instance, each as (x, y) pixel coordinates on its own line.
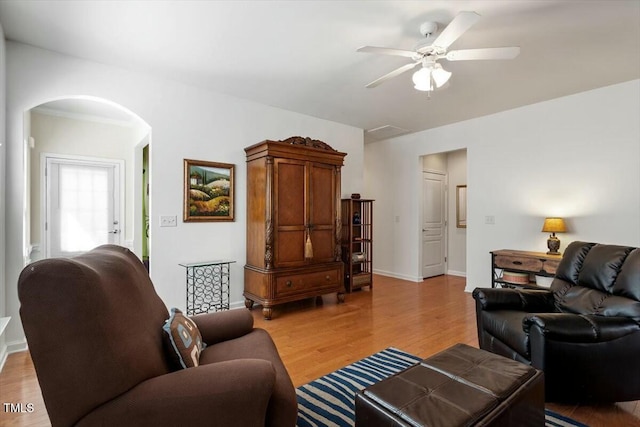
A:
(208, 191)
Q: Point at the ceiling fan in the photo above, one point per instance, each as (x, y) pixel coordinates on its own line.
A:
(432, 75)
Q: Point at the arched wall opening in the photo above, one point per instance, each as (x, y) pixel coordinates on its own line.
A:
(80, 129)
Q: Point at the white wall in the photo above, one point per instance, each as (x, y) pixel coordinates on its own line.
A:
(186, 122)
(435, 163)
(3, 145)
(577, 157)
(65, 135)
(457, 237)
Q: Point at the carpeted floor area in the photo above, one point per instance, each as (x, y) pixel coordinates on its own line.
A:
(329, 400)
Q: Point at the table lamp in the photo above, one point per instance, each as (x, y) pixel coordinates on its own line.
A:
(553, 226)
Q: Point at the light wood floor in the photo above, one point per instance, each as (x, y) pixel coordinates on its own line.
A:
(315, 338)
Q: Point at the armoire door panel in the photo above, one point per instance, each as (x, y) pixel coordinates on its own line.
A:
(323, 242)
(322, 194)
(290, 192)
(289, 248)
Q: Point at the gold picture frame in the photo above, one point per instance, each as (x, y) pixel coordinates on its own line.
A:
(208, 191)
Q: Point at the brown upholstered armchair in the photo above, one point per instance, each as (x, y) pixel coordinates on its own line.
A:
(584, 332)
(94, 325)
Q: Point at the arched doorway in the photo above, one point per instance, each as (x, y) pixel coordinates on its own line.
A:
(86, 179)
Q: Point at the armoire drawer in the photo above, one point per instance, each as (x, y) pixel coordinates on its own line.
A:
(301, 282)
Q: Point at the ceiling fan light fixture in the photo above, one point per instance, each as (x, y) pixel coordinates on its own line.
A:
(440, 75)
(422, 80)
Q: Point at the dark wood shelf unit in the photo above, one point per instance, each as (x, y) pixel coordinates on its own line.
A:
(357, 243)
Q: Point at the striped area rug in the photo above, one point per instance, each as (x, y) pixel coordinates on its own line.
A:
(329, 400)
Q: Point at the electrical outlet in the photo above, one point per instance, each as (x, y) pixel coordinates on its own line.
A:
(168, 221)
(490, 219)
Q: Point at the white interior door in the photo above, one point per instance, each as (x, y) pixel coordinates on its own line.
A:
(433, 224)
(82, 205)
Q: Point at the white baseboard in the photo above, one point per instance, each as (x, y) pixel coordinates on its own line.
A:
(13, 347)
(398, 276)
(3, 356)
(4, 321)
(415, 278)
(16, 346)
(457, 273)
(236, 305)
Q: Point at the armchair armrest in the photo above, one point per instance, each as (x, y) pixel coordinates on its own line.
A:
(529, 300)
(580, 328)
(223, 325)
(227, 393)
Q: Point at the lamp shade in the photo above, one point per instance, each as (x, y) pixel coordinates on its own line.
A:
(422, 80)
(554, 225)
(440, 75)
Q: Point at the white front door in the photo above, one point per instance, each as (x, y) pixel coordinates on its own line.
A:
(82, 205)
(433, 224)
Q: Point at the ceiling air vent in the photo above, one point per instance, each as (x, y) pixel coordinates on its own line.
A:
(385, 132)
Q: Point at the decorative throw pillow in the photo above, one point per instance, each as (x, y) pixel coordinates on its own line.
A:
(184, 339)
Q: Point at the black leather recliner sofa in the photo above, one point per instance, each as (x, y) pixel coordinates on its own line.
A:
(583, 332)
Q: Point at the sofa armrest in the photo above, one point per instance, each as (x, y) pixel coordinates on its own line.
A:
(223, 325)
(529, 300)
(227, 393)
(580, 328)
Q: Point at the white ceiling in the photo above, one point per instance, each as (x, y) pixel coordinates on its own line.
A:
(301, 56)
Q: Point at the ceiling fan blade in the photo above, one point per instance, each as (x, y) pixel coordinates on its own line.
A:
(387, 51)
(461, 23)
(487, 53)
(392, 74)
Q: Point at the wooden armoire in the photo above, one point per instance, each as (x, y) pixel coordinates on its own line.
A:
(293, 222)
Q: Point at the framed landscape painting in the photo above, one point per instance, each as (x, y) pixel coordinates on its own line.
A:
(208, 191)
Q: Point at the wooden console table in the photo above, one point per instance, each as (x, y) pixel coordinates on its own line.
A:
(530, 263)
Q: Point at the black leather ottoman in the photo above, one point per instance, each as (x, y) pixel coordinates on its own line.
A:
(460, 386)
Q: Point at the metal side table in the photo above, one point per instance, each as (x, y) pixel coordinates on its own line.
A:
(207, 286)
